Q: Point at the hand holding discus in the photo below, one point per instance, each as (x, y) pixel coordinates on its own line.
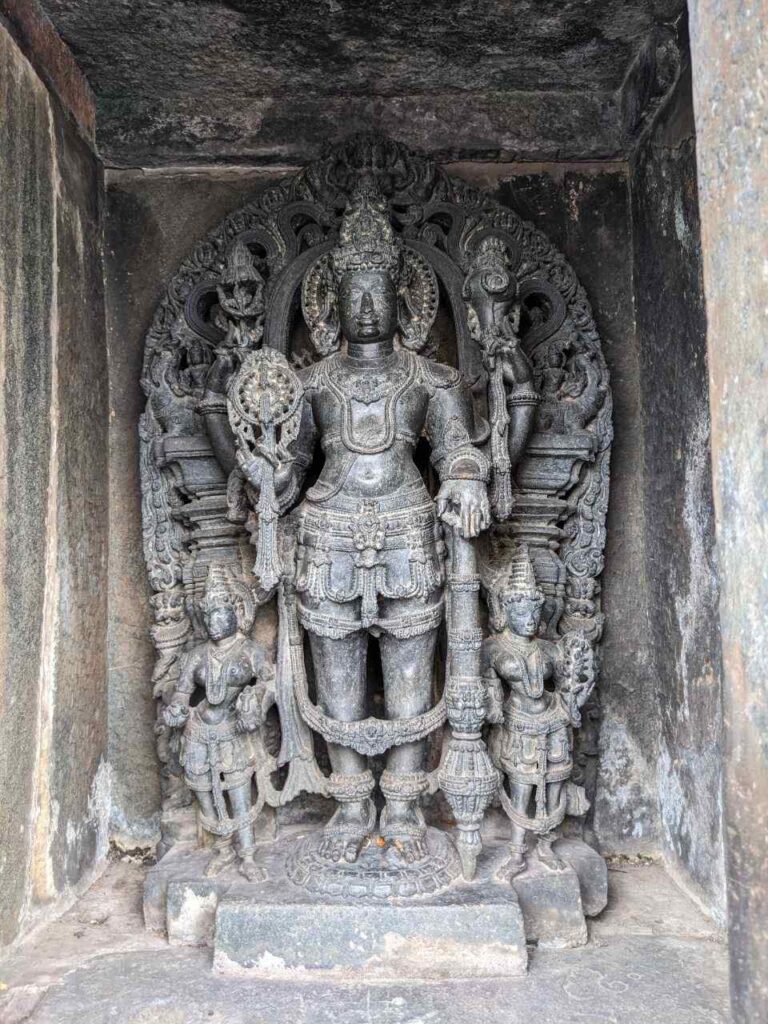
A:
(263, 399)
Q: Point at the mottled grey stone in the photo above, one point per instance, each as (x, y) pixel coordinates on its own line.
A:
(191, 912)
(677, 981)
(591, 870)
(542, 84)
(252, 923)
(551, 906)
(729, 49)
(445, 938)
(53, 491)
(27, 272)
(681, 578)
(86, 963)
(275, 927)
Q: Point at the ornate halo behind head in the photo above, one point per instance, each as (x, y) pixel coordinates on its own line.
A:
(418, 300)
(367, 241)
(319, 306)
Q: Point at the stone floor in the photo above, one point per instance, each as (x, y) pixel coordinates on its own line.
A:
(651, 957)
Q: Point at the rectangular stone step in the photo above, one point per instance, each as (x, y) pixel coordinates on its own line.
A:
(461, 938)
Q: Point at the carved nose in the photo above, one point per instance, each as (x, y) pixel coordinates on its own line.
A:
(366, 305)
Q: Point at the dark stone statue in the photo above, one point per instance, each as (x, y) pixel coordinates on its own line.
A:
(219, 753)
(430, 436)
(370, 551)
(532, 742)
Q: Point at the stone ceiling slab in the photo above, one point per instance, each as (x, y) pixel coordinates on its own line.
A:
(185, 80)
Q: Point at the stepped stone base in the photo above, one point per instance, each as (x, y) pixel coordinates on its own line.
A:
(276, 928)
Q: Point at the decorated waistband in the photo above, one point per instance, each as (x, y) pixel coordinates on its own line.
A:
(204, 732)
(555, 717)
(406, 501)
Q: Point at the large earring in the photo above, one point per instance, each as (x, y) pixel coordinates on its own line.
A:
(418, 298)
(320, 306)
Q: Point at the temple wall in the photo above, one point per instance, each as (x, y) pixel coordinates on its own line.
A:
(154, 219)
(729, 44)
(681, 576)
(53, 491)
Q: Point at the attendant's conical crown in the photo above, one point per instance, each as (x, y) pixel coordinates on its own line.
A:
(367, 240)
(218, 590)
(519, 582)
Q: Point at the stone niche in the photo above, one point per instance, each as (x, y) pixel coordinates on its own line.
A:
(300, 829)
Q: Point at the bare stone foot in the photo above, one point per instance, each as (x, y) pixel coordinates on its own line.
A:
(409, 848)
(347, 832)
(548, 857)
(221, 858)
(341, 848)
(251, 870)
(515, 865)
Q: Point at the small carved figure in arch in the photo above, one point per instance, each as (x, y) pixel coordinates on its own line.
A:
(220, 752)
(532, 741)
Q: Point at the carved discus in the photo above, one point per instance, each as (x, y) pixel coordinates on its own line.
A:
(264, 392)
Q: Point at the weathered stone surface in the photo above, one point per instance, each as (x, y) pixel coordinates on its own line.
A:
(194, 909)
(191, 913)
(680, 566)
(100, 957)
(682, 981)
(275, 927)
(154, 219)
(551, 906)
(591, 870)
(54, 496)
(428, 941)
(79, 727)
(27, 294)
(586, 213)
(273, 82)
(151, 224)
(729, 47)
(52, 60)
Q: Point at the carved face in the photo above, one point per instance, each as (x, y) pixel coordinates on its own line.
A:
(221, 622)
(524, 616)
(367, 306)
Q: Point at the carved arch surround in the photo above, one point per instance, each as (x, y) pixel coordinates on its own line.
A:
(290, 223)
(561, 483)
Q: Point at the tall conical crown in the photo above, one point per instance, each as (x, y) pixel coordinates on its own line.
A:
(519, 580)
(367, 240)
(218, 590)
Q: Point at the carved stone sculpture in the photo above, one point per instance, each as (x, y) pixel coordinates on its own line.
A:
(221, 752)
(532, 735)
(370, 553)
(362, 387)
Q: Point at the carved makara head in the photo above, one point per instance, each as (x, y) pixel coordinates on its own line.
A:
(515, 599)
(369, 286)
(490, 288)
